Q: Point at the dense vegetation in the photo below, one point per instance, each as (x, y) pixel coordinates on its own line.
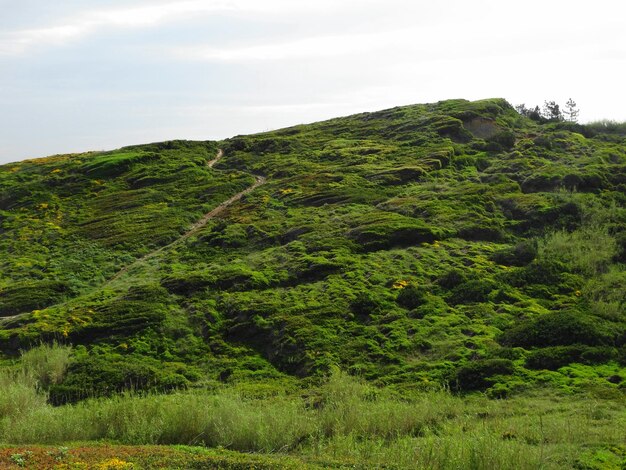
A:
(455, 244)
(342, 423)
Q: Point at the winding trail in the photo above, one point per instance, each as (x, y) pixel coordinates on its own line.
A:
(259, 180)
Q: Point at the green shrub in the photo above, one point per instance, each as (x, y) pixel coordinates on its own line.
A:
(188, 283)
(543, 272)
(474, 290)
(119, 317)
(412, 296)
(96, 376)
(504, 140)
(486, 231)
(452, 279)
(620, 240)
(478, 375)
(447, 126)
(366, 304)
(27, 296)
(606, 126)
(392, 230)
(112, 164)
(561, 329)
(588, 250)
(555, 357)
(541, 183)
(521, 254)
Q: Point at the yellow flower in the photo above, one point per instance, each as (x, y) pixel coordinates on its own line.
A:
(115, 464)
(578, 293)
(56, 170)
(400, 284)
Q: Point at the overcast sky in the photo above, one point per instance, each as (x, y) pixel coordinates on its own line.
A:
(79, 75)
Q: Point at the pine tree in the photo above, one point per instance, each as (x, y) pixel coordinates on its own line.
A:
(571, 111)
(552, 111)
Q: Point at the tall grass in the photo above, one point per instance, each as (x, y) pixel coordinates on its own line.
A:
(46, 364)
(607, 126)
(344, 419)
(588, 250)
(18, 396)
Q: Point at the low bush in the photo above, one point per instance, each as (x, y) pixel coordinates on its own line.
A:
(478, 375)
(452, 279)
(504, 140)
(412, 296)
(561, 329)
(387, 230)
(543, 272)
(365, 304)
(188, 283)
(118, 317)
(27, 296)
(555, 357)
(588, 250)
(486, 231)
(96, 376)
(519, 255)
(475, 290)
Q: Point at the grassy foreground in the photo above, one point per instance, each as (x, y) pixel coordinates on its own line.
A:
(343, 423)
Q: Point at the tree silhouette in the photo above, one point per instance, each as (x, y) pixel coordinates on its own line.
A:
(552, 111)
(571, 111)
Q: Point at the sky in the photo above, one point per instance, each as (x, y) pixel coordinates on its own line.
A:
(79, 75)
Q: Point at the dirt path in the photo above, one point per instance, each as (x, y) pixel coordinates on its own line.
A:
(259, 180)
(198, 225)
(220, 154)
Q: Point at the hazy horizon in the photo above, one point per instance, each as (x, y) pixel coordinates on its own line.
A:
(87, 75)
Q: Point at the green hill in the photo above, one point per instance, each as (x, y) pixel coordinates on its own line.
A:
(452, 243)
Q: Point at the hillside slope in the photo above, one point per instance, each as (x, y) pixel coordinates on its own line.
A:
(455, 242)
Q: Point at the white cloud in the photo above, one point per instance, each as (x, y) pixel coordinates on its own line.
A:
(149, 15)
(17, 42)
(322, 46)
